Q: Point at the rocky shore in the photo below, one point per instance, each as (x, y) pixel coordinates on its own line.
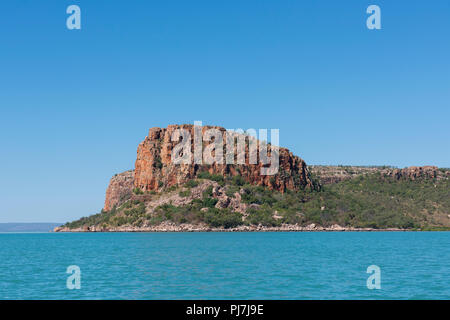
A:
(171, 227)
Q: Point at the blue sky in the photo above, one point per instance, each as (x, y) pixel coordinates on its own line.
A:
(74, 104)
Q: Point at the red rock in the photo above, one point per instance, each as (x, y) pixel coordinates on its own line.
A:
(154, 169)
(120, 187)
(416, 172)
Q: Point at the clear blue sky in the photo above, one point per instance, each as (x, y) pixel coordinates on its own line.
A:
(75, 104)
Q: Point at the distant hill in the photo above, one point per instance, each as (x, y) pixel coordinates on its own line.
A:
(28, 227)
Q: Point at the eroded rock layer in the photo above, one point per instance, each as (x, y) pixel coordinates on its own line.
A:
(155, 170)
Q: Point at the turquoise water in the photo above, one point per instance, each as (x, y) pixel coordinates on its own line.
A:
(316, 265)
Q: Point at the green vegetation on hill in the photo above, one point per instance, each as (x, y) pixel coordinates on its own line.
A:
(378, 201)
(366, 201)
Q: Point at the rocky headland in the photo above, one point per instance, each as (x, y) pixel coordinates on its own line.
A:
(161, 196)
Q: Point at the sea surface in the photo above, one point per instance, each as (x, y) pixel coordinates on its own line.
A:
(278, 265)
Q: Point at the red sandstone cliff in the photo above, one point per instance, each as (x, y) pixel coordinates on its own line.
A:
(155, 170)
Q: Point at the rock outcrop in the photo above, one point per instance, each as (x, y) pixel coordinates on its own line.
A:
(155, 170)
(416, 172)
(119, 189)
(335, 174)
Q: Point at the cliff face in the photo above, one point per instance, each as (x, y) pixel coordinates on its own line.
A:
(335, 174)
(155, 170)
(119, 189)
(414, 173)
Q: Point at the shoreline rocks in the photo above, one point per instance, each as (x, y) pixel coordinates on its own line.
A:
(171, 227)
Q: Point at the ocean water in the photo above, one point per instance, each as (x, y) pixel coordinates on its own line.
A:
(279, 265)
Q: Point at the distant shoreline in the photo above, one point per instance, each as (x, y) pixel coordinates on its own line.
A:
(28, 227)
